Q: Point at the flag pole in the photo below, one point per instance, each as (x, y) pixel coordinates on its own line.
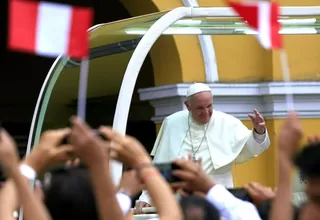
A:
(286, 79)
(82, 93)
(82, 100)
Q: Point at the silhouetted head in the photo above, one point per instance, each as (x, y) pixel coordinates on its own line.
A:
(197, 208)
(310, 211)
(308, 162)
(68, 194)
(199, 102)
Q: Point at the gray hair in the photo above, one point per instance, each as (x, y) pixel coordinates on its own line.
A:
(189, 99)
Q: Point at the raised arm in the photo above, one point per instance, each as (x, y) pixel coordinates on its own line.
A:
(33, 208)
(144, 199)
(195, 180)
(130, 151)
(258, 138)
(91, 150)
(48, 153)
(288, 144)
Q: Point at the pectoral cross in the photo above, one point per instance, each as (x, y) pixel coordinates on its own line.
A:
(194, 158)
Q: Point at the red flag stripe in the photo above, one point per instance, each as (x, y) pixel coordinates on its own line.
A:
(248, 13)
(78, 37)
(263, 17)
(276, 39)
(49, 29)
(22, 25)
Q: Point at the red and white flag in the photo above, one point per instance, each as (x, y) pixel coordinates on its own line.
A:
(49, 29)
(262, 16)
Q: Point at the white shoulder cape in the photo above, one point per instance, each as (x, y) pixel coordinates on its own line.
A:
(226, 137)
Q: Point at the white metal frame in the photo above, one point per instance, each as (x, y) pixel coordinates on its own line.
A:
(147, 41)
(139, 55)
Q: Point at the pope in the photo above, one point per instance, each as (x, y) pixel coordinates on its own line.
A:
(217, 138)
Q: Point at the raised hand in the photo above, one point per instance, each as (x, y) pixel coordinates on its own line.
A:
(258, 122)
(9, 158)
(88, 146)
(259, 193)
(126, 149)
(50, 152)
(290, 136)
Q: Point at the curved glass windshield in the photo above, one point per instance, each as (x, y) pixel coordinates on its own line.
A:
(112, 45)
(109, 56)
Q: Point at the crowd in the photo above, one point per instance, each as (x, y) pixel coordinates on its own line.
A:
(77, 184)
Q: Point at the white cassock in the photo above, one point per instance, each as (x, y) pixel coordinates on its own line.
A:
(222, 141)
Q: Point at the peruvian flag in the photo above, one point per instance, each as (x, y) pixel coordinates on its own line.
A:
(49, 29)
(262, 16)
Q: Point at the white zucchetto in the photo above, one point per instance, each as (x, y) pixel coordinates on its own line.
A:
(196, 88)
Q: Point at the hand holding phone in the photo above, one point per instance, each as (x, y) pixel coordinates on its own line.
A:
(65, 139)
(166, 171)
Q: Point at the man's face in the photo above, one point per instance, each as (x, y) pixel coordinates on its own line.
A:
(310, 211)
(313, 190)
(194, 213)
(200, 106)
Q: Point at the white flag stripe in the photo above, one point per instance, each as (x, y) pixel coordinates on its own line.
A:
(53, 27)
(264, 11)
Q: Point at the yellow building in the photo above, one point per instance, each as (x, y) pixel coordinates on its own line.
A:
(242, 75)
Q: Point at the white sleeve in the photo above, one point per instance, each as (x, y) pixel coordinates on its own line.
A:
(124, 202)
(256, 145)
(145, 197)
(230, 207)
(259, 138)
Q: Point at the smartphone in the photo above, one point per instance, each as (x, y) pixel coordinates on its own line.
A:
(166, 171)
(240, 193)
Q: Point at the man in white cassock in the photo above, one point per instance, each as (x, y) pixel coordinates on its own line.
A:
(217, 138)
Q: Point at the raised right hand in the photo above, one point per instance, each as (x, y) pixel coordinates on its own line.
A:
(49, 151)
(141, 205)
(259, 193)
(290, 136)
